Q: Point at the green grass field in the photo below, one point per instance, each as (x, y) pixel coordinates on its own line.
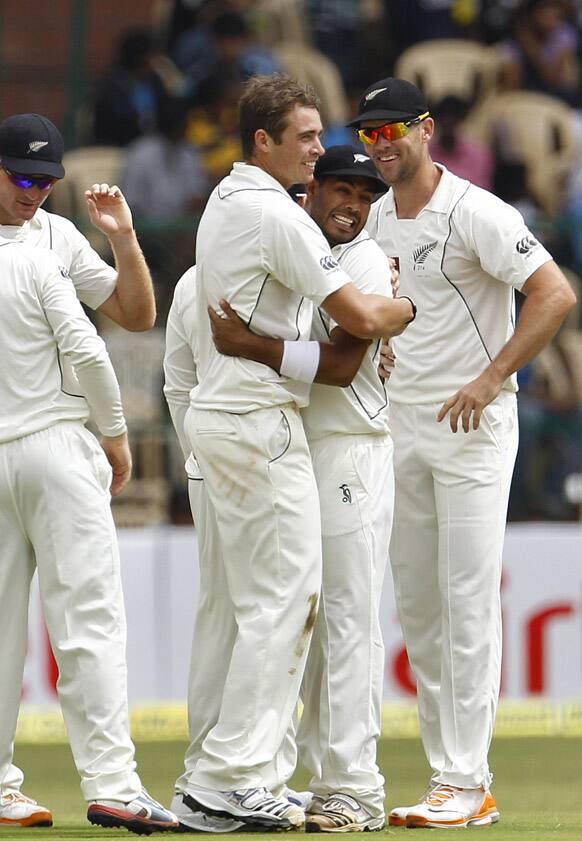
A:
(538, 786)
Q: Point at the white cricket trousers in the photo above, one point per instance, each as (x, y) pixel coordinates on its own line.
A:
(451, 494)
(259, 480)
(214, 630)
(209, 663)
(344, 678)
(55, 515)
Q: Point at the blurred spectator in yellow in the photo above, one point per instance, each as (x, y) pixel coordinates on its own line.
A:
(542, 54)
(213, 125)
(467, 157)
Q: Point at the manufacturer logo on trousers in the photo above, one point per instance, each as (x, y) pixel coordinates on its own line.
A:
(347, 494)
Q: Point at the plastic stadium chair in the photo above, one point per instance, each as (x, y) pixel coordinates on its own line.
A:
(449, 66)
(536, 129)
(311, 66)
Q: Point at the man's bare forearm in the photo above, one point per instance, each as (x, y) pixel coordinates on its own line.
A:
(132, 305)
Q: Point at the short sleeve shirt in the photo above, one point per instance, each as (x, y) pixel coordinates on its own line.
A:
(360, 408)
(460, 260)
(261, 252)
(93, 278)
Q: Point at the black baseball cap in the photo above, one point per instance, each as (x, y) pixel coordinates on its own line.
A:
(393, 100)
(32, 145)
(351, 162)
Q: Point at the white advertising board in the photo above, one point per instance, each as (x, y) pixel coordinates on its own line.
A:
(542, 606)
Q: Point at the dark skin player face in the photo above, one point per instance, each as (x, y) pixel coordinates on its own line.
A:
(340, 206)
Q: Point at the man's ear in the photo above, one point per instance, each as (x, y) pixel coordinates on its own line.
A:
(263, 140)
(311, 189)
(427, 129)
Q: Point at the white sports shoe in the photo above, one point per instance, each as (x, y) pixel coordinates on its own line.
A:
(342, 813)
(397, 817)
(451, 807)
(142, 815)
(197, 821)
(251, 805)
(18, 810)
(299, 798)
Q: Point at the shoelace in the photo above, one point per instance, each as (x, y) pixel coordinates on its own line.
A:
(262, 800)
(14, 797)
(440, 795)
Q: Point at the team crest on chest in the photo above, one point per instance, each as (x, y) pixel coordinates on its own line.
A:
(421, 253)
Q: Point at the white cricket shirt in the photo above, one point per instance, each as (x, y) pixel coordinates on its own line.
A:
(361, 408)
(50, 354)
(181, 353)
(460, 260)
(260, 251)
(93, 278)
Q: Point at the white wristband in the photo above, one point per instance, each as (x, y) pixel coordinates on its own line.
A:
(300, 361)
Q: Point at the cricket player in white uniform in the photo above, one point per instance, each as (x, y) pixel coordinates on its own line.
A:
(353, 423)
(31, 150)
(55, 517)
(462, 253)
(257, 249)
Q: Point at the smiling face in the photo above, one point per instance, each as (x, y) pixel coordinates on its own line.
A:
(292, 158)
(18, 205)
(340, 206)
(398, 161)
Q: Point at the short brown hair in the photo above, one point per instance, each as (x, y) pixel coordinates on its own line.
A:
(265, 103)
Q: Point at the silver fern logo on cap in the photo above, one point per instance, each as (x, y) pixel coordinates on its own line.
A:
(374, 93)
(37, 145)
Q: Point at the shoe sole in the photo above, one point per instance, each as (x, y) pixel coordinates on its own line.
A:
(312, 826)
(113, 819)
(264, 822)
(38, 819)
(478, 820)
(393, 820)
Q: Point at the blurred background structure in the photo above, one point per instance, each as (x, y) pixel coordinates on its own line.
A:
(145, 93)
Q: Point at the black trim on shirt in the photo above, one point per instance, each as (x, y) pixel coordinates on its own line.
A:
(448, 279)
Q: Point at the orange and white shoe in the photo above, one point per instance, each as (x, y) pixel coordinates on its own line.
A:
(398, 815)
(448, 807)
(18, 810)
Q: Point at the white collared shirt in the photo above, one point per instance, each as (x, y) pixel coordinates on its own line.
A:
(53, 365)
(92, 277)
(260, 251)
(361, 408)
(460, 260)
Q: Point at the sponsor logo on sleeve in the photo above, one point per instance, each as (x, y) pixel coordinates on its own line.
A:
(329, 263)
(64, 271)
(526, 244)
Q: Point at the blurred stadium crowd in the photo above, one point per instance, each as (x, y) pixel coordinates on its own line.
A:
(504, 79)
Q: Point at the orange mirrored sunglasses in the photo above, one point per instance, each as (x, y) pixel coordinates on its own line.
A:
(390, 131)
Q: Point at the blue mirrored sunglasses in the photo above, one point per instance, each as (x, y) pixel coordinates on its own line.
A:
(25, 182)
